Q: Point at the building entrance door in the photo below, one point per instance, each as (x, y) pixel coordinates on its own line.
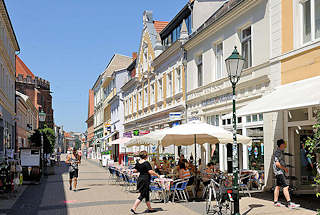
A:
(300, 165)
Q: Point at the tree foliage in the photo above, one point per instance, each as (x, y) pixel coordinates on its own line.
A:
(313, 146)
(48, 139)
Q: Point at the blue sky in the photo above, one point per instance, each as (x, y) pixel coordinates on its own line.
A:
(70, 42)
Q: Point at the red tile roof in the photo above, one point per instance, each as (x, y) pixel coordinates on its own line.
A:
(22, 69)
(66, 134)
(159, 25)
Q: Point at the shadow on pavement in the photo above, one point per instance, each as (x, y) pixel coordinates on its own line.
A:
(252, 206)
(82, 189)
(42, 198)
(310, 202)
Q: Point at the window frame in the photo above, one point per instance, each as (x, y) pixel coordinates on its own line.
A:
(199, 65)
(243, 40)
(313, 37)
(217, 60)
(178, 80)
(169, 84)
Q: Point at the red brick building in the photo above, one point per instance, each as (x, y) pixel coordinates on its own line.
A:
(89, 121)
(36, 88)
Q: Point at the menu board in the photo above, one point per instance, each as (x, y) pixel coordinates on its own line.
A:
(30, 157)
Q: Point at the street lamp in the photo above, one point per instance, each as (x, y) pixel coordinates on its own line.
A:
(42, 118)
(235, 65)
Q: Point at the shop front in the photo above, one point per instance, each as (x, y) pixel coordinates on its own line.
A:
(289, 113)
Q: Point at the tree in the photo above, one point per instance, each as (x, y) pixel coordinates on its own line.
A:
(48, 139)
(313, 146)
(77, 144)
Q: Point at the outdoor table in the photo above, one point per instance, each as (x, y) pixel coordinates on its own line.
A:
(165, 184)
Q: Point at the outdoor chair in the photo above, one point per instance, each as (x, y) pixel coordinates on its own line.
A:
(156, 188)
(129, 181)
(243, 185)
(179, 189)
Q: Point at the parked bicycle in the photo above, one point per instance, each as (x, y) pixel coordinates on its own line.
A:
(219, 198)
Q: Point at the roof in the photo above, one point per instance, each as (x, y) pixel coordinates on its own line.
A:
(22, 69)
(5, 14)
(117, 62)
(66, 134)
(160, 25)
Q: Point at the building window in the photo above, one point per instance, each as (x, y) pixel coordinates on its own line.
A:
(140, 100)
(200, 75)
(134, 103)
(169, 87)
(160, 89)
(152, 96)
(310, 20)
(219, 61)
(189, 24)
(246, 47)
(130, 105)
(213, 120)
(146, 97)
(178, 81)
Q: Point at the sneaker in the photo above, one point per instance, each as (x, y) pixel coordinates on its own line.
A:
(292, 205)
(278, 204)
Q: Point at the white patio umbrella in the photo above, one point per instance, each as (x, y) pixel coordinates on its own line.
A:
(194, 132)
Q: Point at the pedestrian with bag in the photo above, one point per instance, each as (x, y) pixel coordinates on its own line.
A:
(73, 162)
(143, 183)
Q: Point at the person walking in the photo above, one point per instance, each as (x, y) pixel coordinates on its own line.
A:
(279, 169)
(73, 162)
(143, 183)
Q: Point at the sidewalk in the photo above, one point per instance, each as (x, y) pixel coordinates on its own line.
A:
(96, 196)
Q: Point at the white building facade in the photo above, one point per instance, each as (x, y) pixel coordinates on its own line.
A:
(245, 24)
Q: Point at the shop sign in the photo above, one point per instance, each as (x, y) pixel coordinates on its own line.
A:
(218, 99)
(127, 134)
(135, 132)
(144, 132)
(175, 123)
(175, 116)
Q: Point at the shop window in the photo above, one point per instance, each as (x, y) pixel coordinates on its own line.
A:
(213, 120)
(256, 150)
(298, 115)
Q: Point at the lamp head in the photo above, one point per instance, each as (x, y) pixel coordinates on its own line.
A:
(234, 65)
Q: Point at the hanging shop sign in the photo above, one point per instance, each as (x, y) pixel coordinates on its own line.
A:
(135, 132)
(127, 134)
(175, 116)
(144, 132)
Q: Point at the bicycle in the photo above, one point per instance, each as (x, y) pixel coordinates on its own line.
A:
(219, 199)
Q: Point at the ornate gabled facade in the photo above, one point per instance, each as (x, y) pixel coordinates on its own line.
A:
(140, 103)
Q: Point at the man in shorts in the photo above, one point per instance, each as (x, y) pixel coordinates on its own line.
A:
(279, 169)
(73, 161)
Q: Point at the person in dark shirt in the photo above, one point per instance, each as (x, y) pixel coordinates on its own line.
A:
(279, 169)
(143, 183)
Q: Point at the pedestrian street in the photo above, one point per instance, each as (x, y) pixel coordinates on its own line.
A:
(95, 195)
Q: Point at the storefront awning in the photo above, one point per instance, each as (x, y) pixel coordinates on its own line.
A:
(299, 94)
(121, 140)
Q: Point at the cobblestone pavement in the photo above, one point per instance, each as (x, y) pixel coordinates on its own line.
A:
(96, 196)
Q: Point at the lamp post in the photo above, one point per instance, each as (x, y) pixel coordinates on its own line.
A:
(235, 65)
(42, 118)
